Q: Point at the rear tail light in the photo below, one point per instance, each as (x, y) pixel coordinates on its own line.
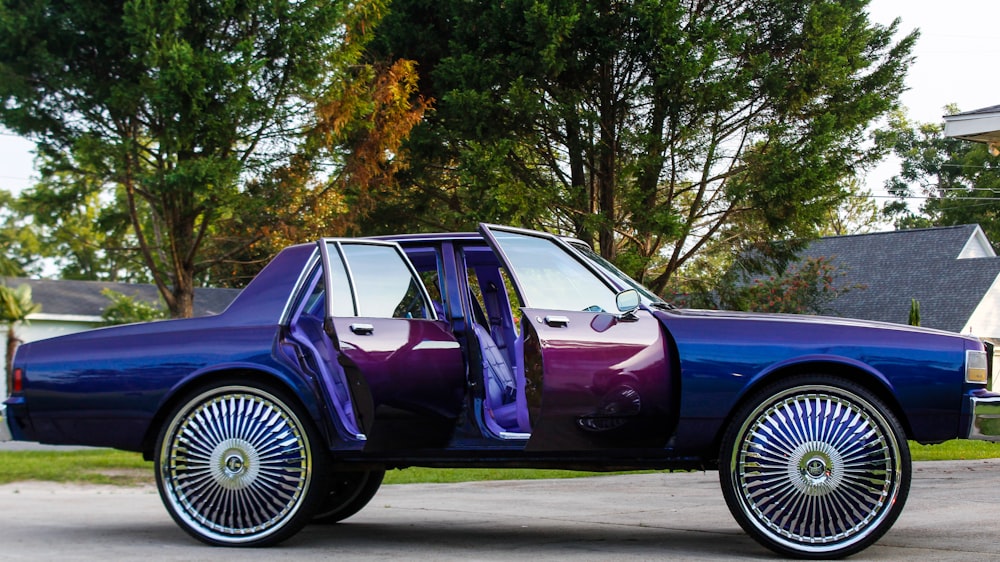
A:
(17, 380)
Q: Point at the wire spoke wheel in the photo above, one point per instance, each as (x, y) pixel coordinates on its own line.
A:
(235, 467)
(816, 470)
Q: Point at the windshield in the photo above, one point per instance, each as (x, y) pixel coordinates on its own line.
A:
(609, 269)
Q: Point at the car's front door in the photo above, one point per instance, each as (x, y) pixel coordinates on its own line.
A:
(402, 367)
(595, 378)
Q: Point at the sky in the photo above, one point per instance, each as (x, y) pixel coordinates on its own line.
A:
(957, 58)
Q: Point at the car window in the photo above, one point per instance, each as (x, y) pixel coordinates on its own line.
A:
(375, 282)
(550, 277)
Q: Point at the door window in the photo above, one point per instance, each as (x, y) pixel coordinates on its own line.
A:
(375, 282)
(550, 277)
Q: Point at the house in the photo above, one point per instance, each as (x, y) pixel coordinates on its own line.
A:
(952, 272)
(979, 125)
(72, 306)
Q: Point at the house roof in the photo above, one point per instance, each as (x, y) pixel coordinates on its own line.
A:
(945, 269)
(83, 299)
(979, 125)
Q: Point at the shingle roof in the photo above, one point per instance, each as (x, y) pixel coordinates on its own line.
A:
(980, 111)
(917, 264)
(84, 298)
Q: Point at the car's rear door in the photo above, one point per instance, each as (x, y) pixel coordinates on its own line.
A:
(594, 378)
(396, 373)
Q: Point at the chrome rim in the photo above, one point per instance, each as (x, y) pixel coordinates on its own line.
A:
(816, 468)
(236, 465)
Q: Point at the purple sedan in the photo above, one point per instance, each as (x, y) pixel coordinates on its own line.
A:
(502, 348)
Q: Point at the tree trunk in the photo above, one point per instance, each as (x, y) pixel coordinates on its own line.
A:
(183, 296)
(606, 161)
(12, 343)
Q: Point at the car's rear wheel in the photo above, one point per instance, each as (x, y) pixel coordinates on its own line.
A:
(815, 467)
(240, 465)
(349, 493)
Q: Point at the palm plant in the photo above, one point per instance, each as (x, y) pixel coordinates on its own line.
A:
(15, 307)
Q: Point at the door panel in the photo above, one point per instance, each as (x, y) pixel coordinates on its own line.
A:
(593, 378)
(415, 373)
(604, 381)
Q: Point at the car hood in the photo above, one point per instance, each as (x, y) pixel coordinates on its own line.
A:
(806, 320)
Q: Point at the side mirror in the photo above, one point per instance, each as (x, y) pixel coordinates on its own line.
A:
(627, 301)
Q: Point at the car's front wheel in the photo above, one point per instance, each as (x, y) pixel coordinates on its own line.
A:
(240, 465)
(815, 467)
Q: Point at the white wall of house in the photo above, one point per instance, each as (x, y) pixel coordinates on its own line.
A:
(41, 326)
(978, 246)
(985, 323)
(985, 320)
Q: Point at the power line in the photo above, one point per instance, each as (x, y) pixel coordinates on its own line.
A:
(925, 197)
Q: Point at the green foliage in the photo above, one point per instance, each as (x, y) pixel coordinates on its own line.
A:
(805, 287)
(73, 230)
(16, 304)
(15, 307)
(126, 310)
(958, 178)
(16, 242)
(914, 313)
(170, 115)
(657, 129)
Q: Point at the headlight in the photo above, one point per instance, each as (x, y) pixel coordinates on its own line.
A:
(976, 367)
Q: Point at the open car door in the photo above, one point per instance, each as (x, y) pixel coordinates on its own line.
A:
(393, 373)
(595, 376)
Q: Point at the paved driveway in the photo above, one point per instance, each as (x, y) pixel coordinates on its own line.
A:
(951, 515)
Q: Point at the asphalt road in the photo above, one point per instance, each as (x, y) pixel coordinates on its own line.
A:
(952, 514)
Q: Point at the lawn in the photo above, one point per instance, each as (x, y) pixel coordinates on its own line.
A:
(102, 466)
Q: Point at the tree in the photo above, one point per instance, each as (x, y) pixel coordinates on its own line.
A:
(914, 313)
(124, 309)
(656, 129)
(803, 287)
(178, 111)
(958, 180)
(858, 214)
(15, 307)
(74, 231)
(14, 241)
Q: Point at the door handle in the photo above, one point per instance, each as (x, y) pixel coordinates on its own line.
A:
(363, 329)
(557, 321)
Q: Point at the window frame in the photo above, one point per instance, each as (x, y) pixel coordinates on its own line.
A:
(326, 271)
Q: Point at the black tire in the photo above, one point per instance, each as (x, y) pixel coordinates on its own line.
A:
(349, 493)
(240, 464)
(815, 467)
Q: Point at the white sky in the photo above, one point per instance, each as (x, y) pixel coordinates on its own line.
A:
(957, 58)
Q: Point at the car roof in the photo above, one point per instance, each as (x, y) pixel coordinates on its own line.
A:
(429, 237)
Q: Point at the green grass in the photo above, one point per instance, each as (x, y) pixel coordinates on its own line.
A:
(103, 466)
(98, 466)
(958, 450)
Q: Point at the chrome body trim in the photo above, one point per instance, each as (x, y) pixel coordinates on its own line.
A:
(513, 435)
(985, 417)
